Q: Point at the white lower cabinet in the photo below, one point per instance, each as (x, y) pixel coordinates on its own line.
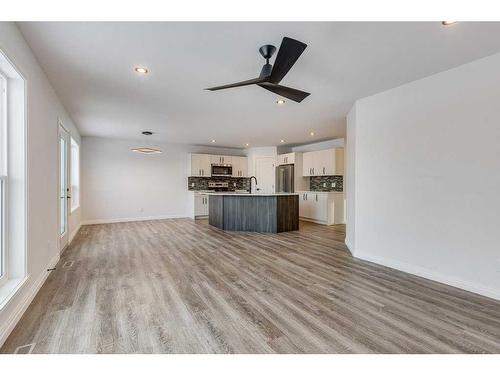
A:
(200, 205)
(321, 207)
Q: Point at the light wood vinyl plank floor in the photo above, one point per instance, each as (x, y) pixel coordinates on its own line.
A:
(182, 286)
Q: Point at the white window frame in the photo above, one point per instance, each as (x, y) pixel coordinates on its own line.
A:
(4, 261)
(13, 127)
(73, 195)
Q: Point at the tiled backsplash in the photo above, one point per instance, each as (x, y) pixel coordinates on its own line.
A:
(201, 183)
(317, 183)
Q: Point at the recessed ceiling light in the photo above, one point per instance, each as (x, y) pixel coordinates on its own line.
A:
(448, 23)
(282, 141)
(280, 101)
(247, 144)
(213, 141)
(141, 70)
(311, 134)
(147, 150)
(147, 132)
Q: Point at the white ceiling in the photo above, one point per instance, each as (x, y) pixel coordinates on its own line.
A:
(91, 68)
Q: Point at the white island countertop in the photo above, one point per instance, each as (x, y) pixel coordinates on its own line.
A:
(232, 193)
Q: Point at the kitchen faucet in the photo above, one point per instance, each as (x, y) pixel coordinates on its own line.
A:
(255, 184)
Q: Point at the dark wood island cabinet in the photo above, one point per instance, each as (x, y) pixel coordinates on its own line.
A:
(273, 213)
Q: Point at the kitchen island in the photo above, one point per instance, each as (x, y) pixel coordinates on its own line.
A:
(276, 212)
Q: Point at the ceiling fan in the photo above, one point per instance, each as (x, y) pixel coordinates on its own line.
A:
(270, 76)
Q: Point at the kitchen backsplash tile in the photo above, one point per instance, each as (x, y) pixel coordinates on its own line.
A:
(317, 183)
(201, 183)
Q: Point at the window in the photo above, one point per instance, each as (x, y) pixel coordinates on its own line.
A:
(75, 175)
(12, 179)
(3, 176)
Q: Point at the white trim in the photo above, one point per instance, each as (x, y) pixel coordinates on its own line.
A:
(73, 233)
(431, 275)
(315, 221)
(127, 219)
(349, 246)
(16, 316)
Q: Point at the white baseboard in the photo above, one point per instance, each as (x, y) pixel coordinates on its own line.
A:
(349, 245)
(431, 275)
(73, 233)
(18, 312)
(127, 219)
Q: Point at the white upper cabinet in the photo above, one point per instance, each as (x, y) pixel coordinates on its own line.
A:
(200, 165)
(323, 163)
(220, 159)
(286, 158)
(240, 166)
(308, 163)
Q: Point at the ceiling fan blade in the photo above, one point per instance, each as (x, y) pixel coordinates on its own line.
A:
(287, 92)
(238, 84)
(290, 50)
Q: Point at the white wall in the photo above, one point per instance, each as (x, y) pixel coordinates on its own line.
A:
(350, 178)
(119, 184)
(43, 111)
(317, 146)
(427, 177)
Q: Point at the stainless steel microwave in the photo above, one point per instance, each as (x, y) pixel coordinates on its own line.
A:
(222, 170)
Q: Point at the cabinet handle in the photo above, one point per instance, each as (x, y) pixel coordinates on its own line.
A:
(316, 197)
(313, 170)
(323, 170)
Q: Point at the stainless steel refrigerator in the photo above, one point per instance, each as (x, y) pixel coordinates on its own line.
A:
(285, 179)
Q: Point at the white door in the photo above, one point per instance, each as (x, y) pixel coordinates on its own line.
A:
(64, 203)
(264, 172)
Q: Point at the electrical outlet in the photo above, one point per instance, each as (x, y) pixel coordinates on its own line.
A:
(324, 184)
(334, 184)
(192, 184)
(234, 184)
